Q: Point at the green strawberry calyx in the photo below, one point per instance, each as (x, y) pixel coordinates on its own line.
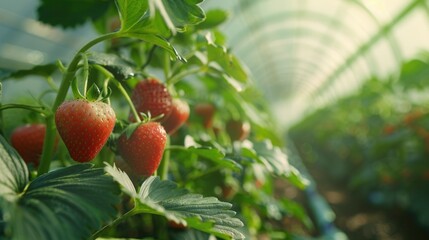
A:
(129, 130)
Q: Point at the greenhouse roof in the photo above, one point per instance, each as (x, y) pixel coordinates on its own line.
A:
(302, 54)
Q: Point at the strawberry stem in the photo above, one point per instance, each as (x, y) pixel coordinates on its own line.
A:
(85, 73)
(48, 145)
(71, 70)
(106, 89)
(121, 89)
(176, 78)
(163, 167)
(51, 83)
(166, 65)
(113, 224)
(75, 90)
(38, 109)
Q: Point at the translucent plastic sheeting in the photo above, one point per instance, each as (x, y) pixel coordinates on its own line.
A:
(25, 42)
(303, 54)
(306, 54)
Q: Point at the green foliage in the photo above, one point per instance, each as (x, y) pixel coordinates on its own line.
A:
(376, 140)
(143, 38)
(70, 13)
(68, 203)
(415, 75)
(14, 175)
(119, 67)
(131, 12)
(182, 13)
(158, 17)
(164, 198)
(39, 70)
(157, 40)
(214, 18)
(229, 64)
(275, 161)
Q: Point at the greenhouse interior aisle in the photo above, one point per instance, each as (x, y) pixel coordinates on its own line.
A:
(349, 80)
(274, 119)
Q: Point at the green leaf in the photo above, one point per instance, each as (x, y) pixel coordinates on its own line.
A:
(295, 209)
(164, 198)
(14, 173)
(206, 214)
(93, 93)
(414, 75)
(225, 64)
(214, 18)
(131, 12)
(119, 67)
(183, 12)
(39, 70)
(159, 41)
(122, 178)
(216, 156)
(68, 203)
(159, 17)
(71, 13)
(275, 161)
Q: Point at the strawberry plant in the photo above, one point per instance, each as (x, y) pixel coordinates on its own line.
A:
(375, 140)
(135, 141)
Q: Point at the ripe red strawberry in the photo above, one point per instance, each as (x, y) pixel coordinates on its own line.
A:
(237, 130)
(152, 96)
(84, 127)
(179, 115)
(206, 111)
(144, 148)
(28, 141)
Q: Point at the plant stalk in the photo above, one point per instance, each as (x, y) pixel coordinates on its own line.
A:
(68, 76)
(48, 145)
(121, 89)
(113, 224)
(176, 78)
(165, 162)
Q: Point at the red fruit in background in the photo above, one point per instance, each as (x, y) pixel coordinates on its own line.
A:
(178, 116)
(144, 148)
(421, 131)
(388, 129)
(228, 192)
(259, 183)
(84, 127)
(28, 141)
(206, 111)
(387, 178)
(425, 175)
(411, 117)
(152, 96)
(237, 130)
(176, 226)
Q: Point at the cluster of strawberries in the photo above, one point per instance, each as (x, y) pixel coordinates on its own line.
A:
(85, 126)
